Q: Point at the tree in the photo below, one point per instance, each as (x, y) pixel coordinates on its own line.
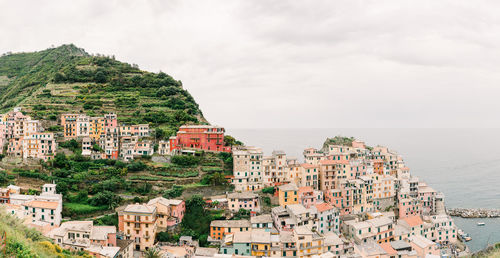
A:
(3, 178)
(100, 77)
(152, 253)
(60, 160)
(105, 198)
(196, 218)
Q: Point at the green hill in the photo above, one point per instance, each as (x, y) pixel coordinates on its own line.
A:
(67, 79)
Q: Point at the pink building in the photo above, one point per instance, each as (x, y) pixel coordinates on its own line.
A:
(307, 196)
(423, 246)
(408, 206)
(3, 135)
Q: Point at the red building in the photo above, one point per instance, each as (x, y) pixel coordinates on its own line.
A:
(201, 137)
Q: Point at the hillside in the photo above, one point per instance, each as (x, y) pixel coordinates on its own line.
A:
(68, 79)
(26, 242)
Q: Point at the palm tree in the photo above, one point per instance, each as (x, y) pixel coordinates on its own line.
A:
(152, 253)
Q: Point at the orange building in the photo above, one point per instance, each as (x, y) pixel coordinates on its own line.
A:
(220, 228)
(68, 122)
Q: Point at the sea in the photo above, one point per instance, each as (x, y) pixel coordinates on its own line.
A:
(464, 164)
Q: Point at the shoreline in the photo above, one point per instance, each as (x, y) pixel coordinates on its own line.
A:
(473, 213)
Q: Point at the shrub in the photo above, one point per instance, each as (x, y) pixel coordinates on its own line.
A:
(268, 190)
(174, 192)
(185, 160)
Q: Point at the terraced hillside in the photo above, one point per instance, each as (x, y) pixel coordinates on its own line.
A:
(68, 79)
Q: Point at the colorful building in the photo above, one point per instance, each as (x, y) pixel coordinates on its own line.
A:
(201, 137)
(288, 194)
(139, 223)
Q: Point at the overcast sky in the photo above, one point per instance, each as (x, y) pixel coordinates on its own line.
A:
(293, 64)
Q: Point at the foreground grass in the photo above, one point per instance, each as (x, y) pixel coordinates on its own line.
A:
(25, 242)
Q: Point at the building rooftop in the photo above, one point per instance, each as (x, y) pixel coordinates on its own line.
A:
(101, 232)
(105, 251)
(380, 221)
(288, 187)
(371, 249)
(242, 195)
(420, 241)
(297, 209)
(261, 236)
(242, 237)
(42, 204)
(323, 207)
(140, 208)
(400, 244)
(243, 223)
(332, 239)
(206, 251)
(413, 221)
(266, 218)
(303, 230)
(164, 201)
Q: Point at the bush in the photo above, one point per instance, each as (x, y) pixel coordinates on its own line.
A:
(182, 160)
(268, 190)
(106, 199)
(174, 192)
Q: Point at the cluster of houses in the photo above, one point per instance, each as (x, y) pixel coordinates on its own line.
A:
(344, 200)
(23, 137)
(101, 137)
(41, 211)
(137, 227)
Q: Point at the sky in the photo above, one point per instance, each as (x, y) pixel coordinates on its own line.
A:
(293, 64)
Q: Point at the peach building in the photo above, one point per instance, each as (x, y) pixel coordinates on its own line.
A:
(423, 246)
(307, 196)
(245, 200)
(139, 223)
(82, 126)
(309, 175)
(39, 146)
(221, 228)
(69, 124)
(169, 212)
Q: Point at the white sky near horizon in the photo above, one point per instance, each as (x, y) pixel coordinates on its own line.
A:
(293, 64)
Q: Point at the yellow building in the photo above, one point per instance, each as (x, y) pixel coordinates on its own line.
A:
(261, 243)
(308, 243)
(288, 194)
(96, 128)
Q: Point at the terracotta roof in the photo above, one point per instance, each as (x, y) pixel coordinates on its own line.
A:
(307, 165)
(328, 162)
(42, 204)
(413, 221)
(388, 248)
(323, 207)
(306, 189)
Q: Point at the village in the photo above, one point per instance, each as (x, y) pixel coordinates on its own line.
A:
(344, 200)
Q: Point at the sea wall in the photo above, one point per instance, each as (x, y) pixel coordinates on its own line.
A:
(474, 213)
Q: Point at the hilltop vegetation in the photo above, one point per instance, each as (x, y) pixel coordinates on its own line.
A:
(68, 79)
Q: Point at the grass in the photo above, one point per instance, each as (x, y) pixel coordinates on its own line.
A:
(81, 209)
(25, 242)
(151, 178)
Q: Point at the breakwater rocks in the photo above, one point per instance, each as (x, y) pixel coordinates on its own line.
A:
(474, 213)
